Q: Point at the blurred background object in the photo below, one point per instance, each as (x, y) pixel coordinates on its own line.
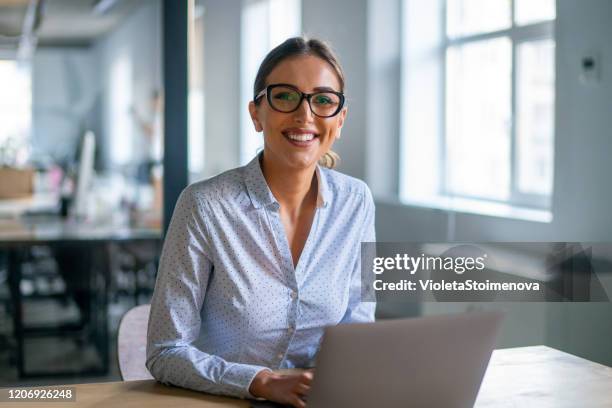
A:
(80, 196)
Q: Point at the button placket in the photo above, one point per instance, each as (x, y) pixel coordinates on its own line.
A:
(281, 240)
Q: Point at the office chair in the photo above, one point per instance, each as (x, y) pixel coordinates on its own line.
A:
(132, 344)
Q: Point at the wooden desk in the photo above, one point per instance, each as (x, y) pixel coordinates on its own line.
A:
(543, 377)
(521, 377)
(138, 394)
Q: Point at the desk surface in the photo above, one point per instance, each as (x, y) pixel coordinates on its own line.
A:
(543, 377)
(15, 232)
(522, 377)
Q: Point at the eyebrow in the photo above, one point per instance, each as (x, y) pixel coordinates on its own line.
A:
(317, 89)
(324, 88)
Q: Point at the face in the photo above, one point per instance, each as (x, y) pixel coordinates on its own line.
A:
(286, 135)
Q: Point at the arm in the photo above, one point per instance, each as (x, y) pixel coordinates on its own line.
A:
(174, 323)
(358, 311)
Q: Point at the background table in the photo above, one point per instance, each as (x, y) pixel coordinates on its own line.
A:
(87, 249)
(522, 377)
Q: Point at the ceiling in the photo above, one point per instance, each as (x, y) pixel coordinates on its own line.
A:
(64, 22)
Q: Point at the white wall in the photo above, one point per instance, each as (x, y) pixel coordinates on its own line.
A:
(383, 94)
(583, 193)
(222, 85)
(65, 100)
(131, 58)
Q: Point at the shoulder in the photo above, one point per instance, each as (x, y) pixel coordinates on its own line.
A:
(227, 184)
(341, 184)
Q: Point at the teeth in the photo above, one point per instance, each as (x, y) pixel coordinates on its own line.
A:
(305, 137)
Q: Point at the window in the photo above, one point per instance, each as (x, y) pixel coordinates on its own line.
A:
(15, 112)
(487, 79)
(265, 24)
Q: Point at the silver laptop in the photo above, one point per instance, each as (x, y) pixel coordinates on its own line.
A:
(436, 361)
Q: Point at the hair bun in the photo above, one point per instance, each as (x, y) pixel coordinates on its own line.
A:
(330, 159)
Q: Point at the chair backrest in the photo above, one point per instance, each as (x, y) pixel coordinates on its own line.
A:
(132, 344)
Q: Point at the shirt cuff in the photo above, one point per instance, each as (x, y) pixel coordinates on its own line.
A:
(239, 377)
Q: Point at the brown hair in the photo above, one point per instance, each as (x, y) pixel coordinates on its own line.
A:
(294, 47)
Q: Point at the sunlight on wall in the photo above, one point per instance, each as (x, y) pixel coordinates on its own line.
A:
(121, 124)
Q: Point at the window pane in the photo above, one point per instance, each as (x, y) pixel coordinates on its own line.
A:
(535, 120)
(478, 110)
(466, 17)
(532, 11)
(15, 109)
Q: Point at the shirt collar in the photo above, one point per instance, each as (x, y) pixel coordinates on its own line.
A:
(260, 193)
(322, 194)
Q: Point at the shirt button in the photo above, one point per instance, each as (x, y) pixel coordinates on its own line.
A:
(280, 356)
(293, 295)
(290, 330)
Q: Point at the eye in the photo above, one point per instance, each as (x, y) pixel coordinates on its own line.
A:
(286, 96)
(323, 99)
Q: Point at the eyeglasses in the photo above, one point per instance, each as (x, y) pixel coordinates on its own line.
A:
(287, 98)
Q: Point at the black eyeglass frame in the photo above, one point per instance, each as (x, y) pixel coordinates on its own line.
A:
(303, 95)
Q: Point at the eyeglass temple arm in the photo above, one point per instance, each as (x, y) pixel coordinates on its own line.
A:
(260, 94)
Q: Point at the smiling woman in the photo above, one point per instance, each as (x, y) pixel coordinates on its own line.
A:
(317, 59)
(258, 260)
(287, 115)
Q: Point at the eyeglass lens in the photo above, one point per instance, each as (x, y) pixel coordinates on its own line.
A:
(287, 99)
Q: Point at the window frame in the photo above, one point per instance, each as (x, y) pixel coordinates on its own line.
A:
(517, 34)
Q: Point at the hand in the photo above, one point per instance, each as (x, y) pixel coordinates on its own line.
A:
(284, 389)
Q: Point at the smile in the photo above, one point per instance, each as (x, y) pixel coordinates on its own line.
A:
(300, 139)
(306, 137)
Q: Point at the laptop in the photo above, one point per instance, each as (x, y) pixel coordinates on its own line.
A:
(436, 361)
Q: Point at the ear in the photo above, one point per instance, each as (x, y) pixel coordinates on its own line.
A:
(255, 116)
(341, 119)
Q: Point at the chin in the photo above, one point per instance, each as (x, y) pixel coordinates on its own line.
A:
(301, 161)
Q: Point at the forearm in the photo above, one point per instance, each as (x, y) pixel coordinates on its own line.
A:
(189, 367)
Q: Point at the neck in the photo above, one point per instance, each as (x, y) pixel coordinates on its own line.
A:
(292, 188)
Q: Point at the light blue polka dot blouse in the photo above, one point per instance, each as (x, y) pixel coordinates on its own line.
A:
(228, 301)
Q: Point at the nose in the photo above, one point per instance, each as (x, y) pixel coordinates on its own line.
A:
(303, 113)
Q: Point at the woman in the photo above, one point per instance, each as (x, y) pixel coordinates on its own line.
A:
(258, 260)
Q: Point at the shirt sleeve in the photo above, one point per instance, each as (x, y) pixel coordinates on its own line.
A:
(174, 322)
(358, 311)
